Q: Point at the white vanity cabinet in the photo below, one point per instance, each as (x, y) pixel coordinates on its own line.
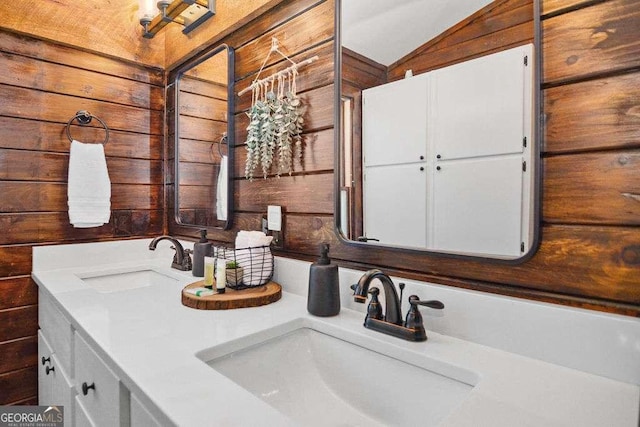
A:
(54, 386)
(73, 375)
(100, 394)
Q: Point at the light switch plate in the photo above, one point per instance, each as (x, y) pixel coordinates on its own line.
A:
(274, 218)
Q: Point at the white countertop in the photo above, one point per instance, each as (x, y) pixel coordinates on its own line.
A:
(150, 340)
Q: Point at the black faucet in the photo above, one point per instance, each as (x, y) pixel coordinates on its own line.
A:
(412, 329)
(181, 259)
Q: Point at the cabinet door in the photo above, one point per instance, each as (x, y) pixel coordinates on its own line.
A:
(394, 122)
(102, 396)
(477, 206)
(481, 107)
(45, 389)
(395, 204)
(54, 386)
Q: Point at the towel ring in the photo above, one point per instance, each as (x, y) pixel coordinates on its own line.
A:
(223, 141)
(84, 118)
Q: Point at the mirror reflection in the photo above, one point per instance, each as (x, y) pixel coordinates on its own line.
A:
(203, 128)
(437, 141)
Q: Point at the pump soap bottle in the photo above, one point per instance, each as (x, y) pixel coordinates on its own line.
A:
(324, 287)
(201, 249)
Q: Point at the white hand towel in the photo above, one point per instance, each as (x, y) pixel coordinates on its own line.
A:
(221, 191)
(89, 187)
(254, 256)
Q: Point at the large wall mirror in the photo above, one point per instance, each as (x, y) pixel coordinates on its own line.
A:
(202, 127)
(437, 127)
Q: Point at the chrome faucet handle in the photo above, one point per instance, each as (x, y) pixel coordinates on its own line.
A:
(414, 318)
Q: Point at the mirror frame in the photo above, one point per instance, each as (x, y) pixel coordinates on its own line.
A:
(180, 71)
(537, 123)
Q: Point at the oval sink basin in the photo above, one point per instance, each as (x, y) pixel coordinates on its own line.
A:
(122, 281)
(320, 380)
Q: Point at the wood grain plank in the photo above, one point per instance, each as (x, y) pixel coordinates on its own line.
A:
(558, 6)
(59, 54)
(593, 115)
(20, 165)
(510, 37)
(52, 197)
(204, 107)
(201, 129)
(35, 135)
(18, 322)
(313, 27)
(597, 188)
(198, 174)
(17, 292)
(16, 260)
(292, 192)
(55, 227)
(18, 386)
(197, 197)
(200, 87)
(53, 107)
(25, 72)
(592, 40)
(317, 74)
(108, 28)
(18, 354)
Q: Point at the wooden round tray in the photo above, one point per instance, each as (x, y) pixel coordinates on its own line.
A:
(252, 297)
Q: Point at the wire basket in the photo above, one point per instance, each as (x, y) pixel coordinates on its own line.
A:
(254, 266)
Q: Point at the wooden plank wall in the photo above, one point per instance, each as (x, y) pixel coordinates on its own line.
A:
(202, 122)
(304, 29)
(589, 254)
(42, 86)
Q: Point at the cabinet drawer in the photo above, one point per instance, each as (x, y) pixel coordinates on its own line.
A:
(105, 400)
(54, 386)
(57, 330)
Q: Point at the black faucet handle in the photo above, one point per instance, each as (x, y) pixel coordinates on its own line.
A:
(374, 310)
(414, 300)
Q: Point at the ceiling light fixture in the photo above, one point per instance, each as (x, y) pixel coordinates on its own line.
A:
(190, 13)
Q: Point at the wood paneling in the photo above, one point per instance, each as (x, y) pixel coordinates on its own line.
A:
(593, 115)
(498, 26)
(594, 188)
(590, 41)
(42, 87)
(18, 354)
(19, 387)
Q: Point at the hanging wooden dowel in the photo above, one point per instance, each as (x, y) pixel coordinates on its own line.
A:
(279, 73)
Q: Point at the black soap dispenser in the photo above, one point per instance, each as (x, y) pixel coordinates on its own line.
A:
(324, 287)
(201, 249)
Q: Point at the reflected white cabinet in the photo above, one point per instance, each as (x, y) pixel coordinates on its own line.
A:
(395, 204)
(468, 129)
(395, 122)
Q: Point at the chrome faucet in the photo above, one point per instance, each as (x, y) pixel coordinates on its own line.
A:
(181, 259)
(412, 329)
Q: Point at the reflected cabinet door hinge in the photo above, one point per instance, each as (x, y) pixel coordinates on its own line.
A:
(524, 166)
(526, 60)
(521, 246)
(524, 141)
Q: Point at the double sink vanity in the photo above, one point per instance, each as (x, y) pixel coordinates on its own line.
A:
(117, 347)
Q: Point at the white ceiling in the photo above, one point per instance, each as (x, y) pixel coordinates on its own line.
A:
(387, 30)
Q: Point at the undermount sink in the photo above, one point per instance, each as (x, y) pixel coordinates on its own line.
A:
(107, 282)
(317, 379)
